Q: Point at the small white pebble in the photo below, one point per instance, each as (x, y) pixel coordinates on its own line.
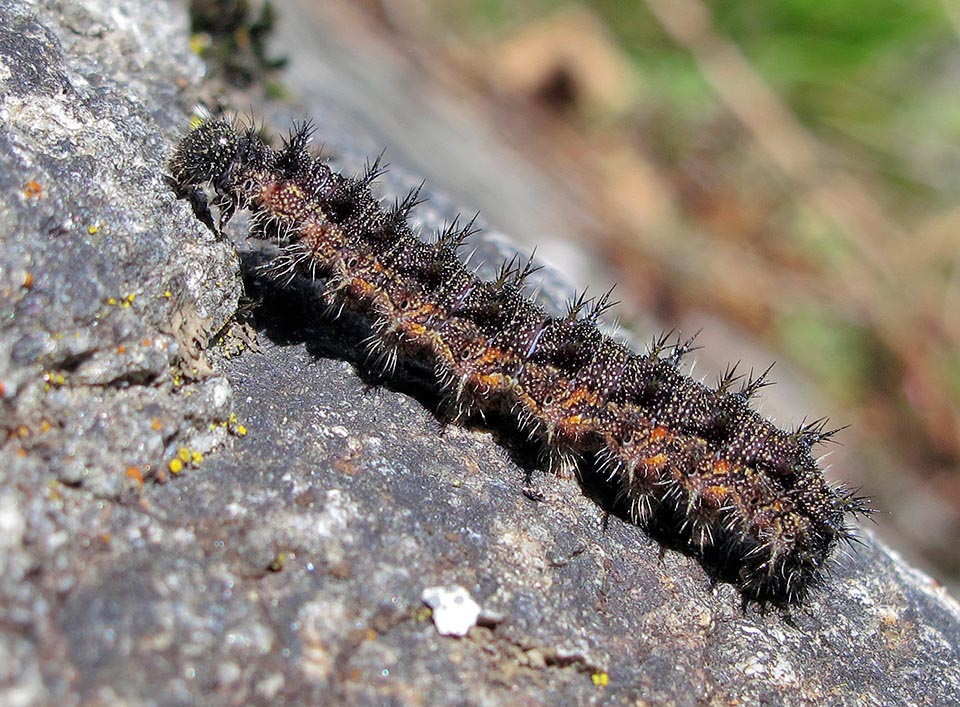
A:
(454, 610)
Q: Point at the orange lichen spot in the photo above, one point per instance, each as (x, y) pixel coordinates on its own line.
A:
(156, 424)
(21, 452)
(121, 349)
(23, 431)
(721, 466)
(146, 342)
(105, 538)
(27, 280)
(33, 189)
(3, 390)
(133, 472)
(45, 425)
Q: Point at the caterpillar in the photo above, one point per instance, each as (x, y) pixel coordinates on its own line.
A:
(679, 454)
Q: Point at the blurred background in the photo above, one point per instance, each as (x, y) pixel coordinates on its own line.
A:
(782, 175)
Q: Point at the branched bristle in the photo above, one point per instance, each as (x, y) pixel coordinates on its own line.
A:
(728, 378)
(373, 171)
(754, 385)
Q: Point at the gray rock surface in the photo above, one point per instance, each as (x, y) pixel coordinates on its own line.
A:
(288, 566)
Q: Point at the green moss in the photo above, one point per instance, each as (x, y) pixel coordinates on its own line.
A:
(842, 356)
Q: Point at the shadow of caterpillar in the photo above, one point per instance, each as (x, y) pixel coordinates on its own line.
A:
(723, 480)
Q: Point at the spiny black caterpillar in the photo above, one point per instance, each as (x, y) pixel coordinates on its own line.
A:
(694, 459)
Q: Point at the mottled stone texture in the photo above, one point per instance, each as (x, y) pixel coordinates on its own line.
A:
(287, 566)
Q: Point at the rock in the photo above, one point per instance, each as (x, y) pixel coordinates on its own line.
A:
(108, 284)
(454, 610)
(288, 564)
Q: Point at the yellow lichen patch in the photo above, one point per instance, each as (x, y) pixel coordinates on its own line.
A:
(53, 490)
(423, 614)
(93, 229)
(123, 300)
(185, 458)
(232, 423)
(54, 379)
(279, 562)
(601, 678)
